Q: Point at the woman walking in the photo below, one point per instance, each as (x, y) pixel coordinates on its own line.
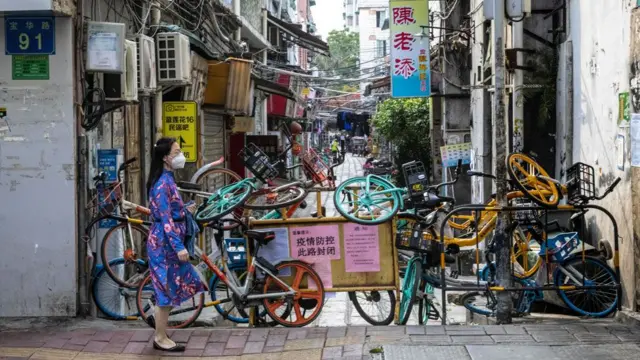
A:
(174, 279)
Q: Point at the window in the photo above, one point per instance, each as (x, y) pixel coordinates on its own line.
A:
(381, 15)
(349, 2)
(350, 21)
(381, 48)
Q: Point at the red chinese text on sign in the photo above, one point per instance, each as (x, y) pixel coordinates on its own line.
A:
(404, 67)
(403, 15)
(403, 41)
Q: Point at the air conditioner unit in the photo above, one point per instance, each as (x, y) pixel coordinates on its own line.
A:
(124, 87)
(173, 59)
(146, 63)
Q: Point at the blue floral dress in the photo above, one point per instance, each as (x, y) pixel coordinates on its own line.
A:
(173, 281)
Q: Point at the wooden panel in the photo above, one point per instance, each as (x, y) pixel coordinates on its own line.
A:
(134, 177)
(388, 276)
(217, 77)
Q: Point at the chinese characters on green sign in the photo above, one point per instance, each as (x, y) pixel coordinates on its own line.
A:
(30, 67)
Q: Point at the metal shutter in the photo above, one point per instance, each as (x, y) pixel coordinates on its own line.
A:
(212, 137)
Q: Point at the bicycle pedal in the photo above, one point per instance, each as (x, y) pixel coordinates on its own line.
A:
(454, 274)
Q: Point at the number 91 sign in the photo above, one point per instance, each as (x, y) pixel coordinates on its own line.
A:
(30, 36)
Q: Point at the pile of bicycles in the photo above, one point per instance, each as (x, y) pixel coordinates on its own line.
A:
(426, 221)
(288, 293)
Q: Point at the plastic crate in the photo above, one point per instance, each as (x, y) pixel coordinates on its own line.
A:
(236, 249)
(560, 246)
(581, 184)
(258, 163)
(415, 177)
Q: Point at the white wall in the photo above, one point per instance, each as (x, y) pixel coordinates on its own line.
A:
(369, 34)
(37, 187)
(600, 35)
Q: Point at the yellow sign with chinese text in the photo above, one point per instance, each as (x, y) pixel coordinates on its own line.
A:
(180, 121)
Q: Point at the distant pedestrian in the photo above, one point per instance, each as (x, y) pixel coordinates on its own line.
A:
(343, 143)
(174, 278)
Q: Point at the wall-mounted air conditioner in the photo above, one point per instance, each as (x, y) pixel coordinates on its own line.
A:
(124, 87)
(173, 59)
(146, 64)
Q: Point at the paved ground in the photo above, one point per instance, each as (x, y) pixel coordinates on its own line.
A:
(581, 339)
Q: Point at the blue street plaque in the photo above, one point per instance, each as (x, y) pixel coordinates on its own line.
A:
(108, 162)
(30, 35)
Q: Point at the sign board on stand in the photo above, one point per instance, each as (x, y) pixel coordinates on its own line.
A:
(180, 121)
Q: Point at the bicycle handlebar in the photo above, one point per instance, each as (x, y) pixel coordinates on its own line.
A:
(447, 183)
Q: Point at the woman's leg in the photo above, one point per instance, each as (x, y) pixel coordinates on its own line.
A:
(161, 319)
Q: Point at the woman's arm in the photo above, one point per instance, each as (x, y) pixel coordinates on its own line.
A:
(164, 208)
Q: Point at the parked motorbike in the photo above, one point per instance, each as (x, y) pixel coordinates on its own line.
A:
(378, 167)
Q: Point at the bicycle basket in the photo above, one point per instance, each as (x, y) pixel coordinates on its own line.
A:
(560, 245)
(258, 163)
(581, 184)
(415, 177)
(106, 199)
(236, 250)
(414, 239)
(316, 169)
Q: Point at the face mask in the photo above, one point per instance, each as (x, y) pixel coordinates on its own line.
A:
(178, 161)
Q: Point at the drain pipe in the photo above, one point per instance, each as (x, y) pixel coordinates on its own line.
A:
(157, 101)
(236, 11)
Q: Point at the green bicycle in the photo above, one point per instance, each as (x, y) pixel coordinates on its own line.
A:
(261, 192)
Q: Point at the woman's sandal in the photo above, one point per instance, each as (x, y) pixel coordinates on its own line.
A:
(176, 348)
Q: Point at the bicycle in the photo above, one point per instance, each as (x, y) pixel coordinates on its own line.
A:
(303, 293)
(257, 193)
(128, 237)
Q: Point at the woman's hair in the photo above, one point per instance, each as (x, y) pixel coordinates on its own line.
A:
(161, 149)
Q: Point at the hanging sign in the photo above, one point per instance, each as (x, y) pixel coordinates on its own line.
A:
(179, 121)
(410, 73)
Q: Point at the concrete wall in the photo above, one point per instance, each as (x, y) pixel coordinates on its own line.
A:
(600, 32)
(37, 187)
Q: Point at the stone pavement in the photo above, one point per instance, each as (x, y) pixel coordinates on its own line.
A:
(578, 339)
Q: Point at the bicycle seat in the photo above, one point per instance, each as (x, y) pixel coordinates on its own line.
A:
(261, 237)
(188, 185)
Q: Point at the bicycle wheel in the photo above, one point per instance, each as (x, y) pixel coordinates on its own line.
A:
(479, 303)
(114, 301)
(588, 302)
(223, 202)
(179, 317)
(426, 307)
(309, 294)
(116, 244)
(383, 309)
(214, 179)
(523, 170)
(220, 291)
(410, 285)
(372, 205)
(268, 199)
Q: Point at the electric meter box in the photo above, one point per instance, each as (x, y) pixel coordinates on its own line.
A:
(105, 47)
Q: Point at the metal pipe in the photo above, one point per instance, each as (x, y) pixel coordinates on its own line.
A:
(81, 176)
(157, 101)
(236, 11)
(517, 102)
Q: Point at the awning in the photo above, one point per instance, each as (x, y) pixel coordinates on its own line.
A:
(273, 88)
(296, 35)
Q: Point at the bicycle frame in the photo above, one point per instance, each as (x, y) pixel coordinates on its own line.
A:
(232, 282)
